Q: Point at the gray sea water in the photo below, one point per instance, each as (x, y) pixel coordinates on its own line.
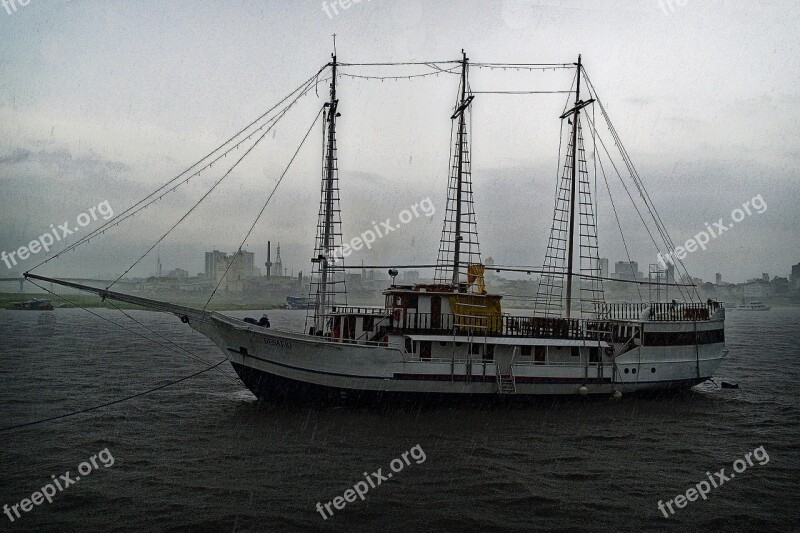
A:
(204, 455)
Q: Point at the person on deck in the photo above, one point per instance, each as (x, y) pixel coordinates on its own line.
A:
(264, 321)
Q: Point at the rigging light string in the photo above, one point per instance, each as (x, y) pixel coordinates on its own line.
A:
(144, 203)
(524, 66)
(407, 77)
(261, 212)
(213, 187)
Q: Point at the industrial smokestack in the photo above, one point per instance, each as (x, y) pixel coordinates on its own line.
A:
(268, 264)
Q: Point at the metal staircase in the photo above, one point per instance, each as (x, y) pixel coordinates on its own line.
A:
(506, 383)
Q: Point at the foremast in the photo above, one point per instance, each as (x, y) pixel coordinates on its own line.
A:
(328, 288)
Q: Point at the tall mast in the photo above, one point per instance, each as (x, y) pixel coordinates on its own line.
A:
(327, 229)
(570, 247)
(460, 172)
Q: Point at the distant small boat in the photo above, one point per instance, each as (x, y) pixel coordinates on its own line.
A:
(299, 302)
(37, 304)
(753, 306)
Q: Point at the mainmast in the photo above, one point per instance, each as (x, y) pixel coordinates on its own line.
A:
(571, 247)
(460, 166)
(573, 202)
(459, 242)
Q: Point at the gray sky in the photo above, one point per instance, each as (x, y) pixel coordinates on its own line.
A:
(107, 100)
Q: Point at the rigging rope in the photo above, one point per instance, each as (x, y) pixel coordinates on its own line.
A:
(170, 341)
(113, 402)
(627, 191)
(106, 319)
(224, 176)
(666, 238)
(522, 92)
(304, 87)
(261, 212)
(614, 208)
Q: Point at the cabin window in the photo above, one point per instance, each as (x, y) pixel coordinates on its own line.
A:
(409, 345)
(594, 354)
(525, 350)
(425, 350)
(369, 323)
(349, 327)
(540, 354)
(575, 351)
(474, 349)
(490, 352)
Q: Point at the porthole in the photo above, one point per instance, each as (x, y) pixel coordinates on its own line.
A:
(627, 370)
(653, 370)
(634, 370)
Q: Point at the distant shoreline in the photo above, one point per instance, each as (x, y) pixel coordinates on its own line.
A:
(95, 302)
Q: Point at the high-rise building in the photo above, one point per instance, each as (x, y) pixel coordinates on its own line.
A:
(796, 276)
(212, 258)
(234, 268)
(718, 278)
(626, 270)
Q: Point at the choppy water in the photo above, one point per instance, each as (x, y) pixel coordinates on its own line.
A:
(205, 456)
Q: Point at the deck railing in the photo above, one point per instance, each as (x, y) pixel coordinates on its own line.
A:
(660, 312)
(502, 326)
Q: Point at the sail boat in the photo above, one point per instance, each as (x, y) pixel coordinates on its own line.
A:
(451, 338)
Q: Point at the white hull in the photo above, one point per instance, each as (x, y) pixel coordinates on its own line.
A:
(289, 364)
